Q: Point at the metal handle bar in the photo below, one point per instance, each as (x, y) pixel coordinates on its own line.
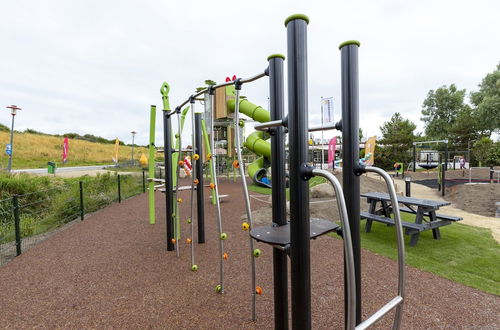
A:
(399, 299)
(337, 126)
(228, 83)
(269, 124)
(348, 252)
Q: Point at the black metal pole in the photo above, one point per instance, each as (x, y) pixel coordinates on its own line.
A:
(17, 223)
(350, 150)
(119, 189)
(277, 109)
(82, 210)
(200, 199)
(443, 188)
(143, 181)
(167, 142)
(414, 158)
(408, 186)
(299, 190)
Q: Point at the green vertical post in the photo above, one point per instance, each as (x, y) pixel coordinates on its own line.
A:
(17, 223)
(151, 164)
(82, 210)
(207, 148)
(119, 189)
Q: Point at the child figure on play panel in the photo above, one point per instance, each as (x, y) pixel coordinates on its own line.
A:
(462, 163)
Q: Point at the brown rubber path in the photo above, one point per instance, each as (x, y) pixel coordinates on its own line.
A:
(112, 271)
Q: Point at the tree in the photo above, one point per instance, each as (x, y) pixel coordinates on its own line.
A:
(487, 152)
(397, 138)
(441, 109)
(487, 103)
(464, 129)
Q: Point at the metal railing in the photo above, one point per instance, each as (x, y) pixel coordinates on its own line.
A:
(27, 219)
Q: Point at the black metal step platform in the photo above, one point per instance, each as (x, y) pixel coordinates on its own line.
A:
(280, 235)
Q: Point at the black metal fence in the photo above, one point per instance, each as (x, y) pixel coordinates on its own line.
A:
(28, 219)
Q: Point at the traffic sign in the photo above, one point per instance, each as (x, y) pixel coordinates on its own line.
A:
(8, 149)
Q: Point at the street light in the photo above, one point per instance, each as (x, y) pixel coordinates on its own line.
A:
(133, 135)
(9, 148)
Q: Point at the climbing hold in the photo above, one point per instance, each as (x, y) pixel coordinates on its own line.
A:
(181, 163)
(257, 253)
(196, 181)
(225, 256)
(194, 268)
(218, 288)
(173, 240)
(258, 290)
(177, 135)
(196, 156)
(179, 200)
(236, 164)
(241, 123)
(188, 220)
(209, 156)
(245, 226)
(212, 185)
(223, 236)
(188, 240)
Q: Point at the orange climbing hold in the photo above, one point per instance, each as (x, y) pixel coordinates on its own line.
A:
(188, 240)
(236, 164)
(258, 290)
(225, 256)
(181, 163)
(173, 240)
(179, 200)
(212, 185)
(196, 181)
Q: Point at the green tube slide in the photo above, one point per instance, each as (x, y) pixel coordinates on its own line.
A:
(256, 142)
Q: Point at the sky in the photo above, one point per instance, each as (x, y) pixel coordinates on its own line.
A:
(95, 67)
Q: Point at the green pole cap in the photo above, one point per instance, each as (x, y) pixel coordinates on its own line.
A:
(296, 16)
(165, 89)
(349, 42)
(276, 56)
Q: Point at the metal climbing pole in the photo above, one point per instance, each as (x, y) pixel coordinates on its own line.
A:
(193, 182)
(241, 167)
(296, 26)
(215, 186)
(167, 142)
(280, 258)
(350, 155)
(199, 176)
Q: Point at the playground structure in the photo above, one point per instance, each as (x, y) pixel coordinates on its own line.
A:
(289, 239)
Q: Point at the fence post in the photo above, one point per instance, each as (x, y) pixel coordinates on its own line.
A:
(143, 182)
(119, 190)
(82, 212)
(17, 225)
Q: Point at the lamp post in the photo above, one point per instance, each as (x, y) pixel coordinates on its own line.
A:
(133, 135)
(10, 149)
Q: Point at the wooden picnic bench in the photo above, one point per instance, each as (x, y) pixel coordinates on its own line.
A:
(426, 217)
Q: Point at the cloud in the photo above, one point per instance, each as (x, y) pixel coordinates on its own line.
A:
(95, 67)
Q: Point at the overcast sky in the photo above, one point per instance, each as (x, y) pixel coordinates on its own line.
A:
(94, 67)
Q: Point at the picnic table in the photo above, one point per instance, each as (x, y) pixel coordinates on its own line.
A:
(424, 210)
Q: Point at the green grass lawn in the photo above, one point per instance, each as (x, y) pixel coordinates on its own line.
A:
(464, 254)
